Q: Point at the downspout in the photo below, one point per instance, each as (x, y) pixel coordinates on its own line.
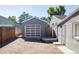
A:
(57, 32)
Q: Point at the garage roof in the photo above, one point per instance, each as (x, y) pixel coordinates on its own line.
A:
(35, 18)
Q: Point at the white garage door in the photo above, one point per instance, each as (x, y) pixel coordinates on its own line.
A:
(33, 31)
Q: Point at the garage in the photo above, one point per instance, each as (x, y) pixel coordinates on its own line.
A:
(34, 28)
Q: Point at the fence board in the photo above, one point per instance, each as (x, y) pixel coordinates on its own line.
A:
(7, 34)
(0, 35)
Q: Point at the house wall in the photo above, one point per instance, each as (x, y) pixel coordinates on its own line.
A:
(59, 34)
(71, 42)
(18, 31)
(63, 38)
(53, 24)
(62, 34)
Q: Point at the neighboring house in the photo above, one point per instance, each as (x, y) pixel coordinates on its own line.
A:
(69, 31)
(56, 19)
(7, 30)
(34, 28)
(5, 22)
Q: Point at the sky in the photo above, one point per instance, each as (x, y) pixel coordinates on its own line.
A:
(34, 10)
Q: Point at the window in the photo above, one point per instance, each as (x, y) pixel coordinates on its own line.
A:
(76, 30)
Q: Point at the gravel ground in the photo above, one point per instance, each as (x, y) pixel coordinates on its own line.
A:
(20, 46)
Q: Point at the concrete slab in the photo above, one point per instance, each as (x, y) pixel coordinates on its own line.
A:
(65, 50)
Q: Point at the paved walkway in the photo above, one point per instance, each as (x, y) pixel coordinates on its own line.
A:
(66, 50)
(20, 46)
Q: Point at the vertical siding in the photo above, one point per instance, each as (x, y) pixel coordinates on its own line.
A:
(59, 34)
(62, 34)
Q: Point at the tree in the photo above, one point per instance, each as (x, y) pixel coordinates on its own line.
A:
(45, 19)
(51, 11)
(49, 18)
(24, 16)
(13, 18)
(57, 11)
(60, 10)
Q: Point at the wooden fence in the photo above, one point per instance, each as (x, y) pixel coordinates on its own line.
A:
(7, 34)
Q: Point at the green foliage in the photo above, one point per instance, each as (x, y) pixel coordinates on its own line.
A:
(24, 16)
(60, 10)
(51, 11)
(49, 18)
(45, 19)
(13, 18)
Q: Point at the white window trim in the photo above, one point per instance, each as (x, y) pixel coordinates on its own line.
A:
(75, 36)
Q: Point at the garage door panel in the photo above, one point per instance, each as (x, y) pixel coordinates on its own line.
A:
(27, 31)
(32, 31)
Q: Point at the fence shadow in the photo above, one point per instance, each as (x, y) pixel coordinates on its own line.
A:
(7, 42)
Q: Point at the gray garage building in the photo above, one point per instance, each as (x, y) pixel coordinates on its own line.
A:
(34, 28)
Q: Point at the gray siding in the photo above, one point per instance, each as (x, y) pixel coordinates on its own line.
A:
(53, 24)
(66, 33)
(59, 34)
(71, 42)
(62, 34)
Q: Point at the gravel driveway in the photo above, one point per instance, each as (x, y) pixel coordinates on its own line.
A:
(20, 46)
